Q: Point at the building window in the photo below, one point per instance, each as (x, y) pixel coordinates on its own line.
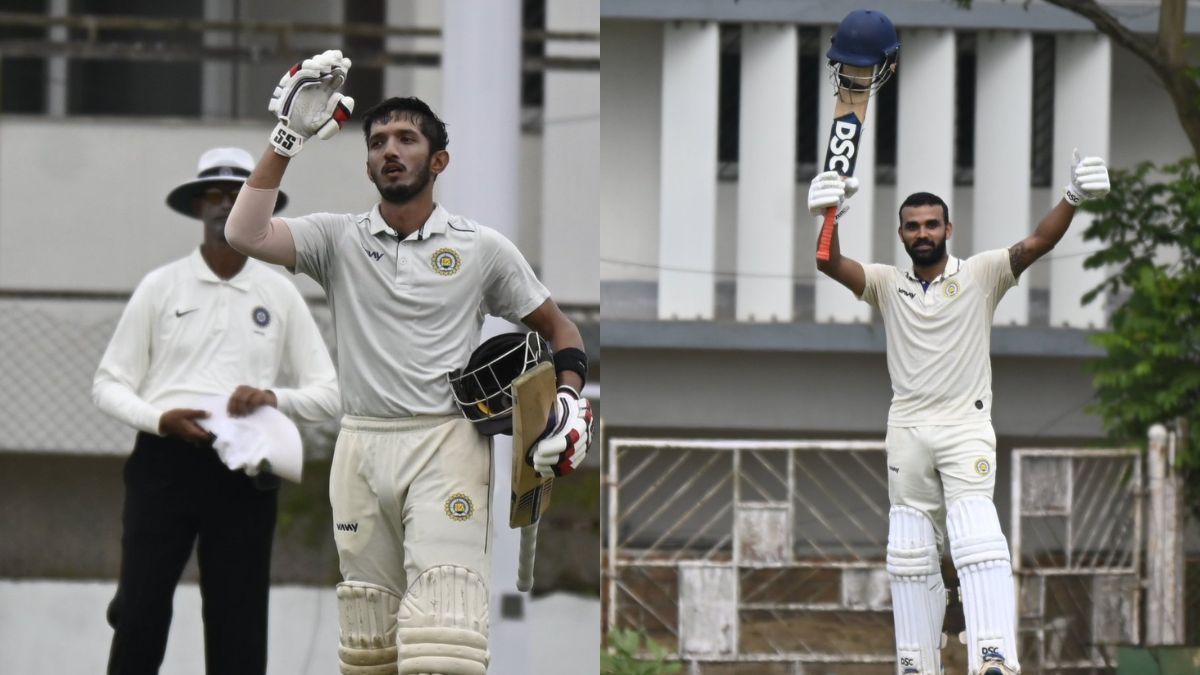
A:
(533, 82)
(729, 100)
(23, 79)
(126, 87)
(964, 110)
(366, 85)
(811, 84)
(1042, 152)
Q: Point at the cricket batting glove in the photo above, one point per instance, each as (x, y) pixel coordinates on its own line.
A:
(1089, 179)
(308, 102)
(565, 445)
(830, 189)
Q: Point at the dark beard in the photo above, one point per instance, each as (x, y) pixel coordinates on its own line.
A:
(401, 194)
(931, 257)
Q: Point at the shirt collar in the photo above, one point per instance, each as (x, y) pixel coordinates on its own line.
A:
(203, 272)
(953, 266)
(435, 224)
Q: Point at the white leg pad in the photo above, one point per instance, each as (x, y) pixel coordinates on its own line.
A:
(985, 572)
(918, 593)
(443, 624)
(367, 623)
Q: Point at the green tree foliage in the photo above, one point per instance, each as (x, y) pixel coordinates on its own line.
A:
(626, 655)
(1149, 226)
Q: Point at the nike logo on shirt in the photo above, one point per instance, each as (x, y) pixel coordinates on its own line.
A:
(179, 313)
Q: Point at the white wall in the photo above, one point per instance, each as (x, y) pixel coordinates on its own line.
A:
(82, 201)
(630, 80)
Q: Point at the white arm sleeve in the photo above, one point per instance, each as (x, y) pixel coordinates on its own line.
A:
(251, 229)
(125, 362)
(316, 398)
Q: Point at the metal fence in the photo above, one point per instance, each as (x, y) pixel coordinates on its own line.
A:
(49, 351)
(1076, 540)
(751, 556)
(764, 556)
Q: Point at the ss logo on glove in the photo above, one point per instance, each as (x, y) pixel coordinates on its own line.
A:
(284, 139)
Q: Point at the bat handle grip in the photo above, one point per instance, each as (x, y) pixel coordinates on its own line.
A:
(525, 561)
(827, 231)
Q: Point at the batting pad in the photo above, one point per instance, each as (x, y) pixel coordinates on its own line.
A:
(367, 619)
(918, 593)
(443, 623)
(985, 571)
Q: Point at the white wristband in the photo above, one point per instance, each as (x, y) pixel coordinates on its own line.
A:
(286, 142)
(1072, 196)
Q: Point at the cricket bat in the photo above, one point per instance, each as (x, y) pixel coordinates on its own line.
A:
(534, 392)
(841, 154)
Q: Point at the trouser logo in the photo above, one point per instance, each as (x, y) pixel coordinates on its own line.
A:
(907, 661)
(347, 527)
(992, 653)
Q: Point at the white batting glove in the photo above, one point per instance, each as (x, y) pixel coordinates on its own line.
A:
(308, 102)
(566, 444)
(830, 189)
(1089, 179)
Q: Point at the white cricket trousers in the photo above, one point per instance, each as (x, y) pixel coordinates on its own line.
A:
(930, 467)
(410, 494)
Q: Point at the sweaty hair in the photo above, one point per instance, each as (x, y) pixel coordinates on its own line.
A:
(413, 109)
(924, 199)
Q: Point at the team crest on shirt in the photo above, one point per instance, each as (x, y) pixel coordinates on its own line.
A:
(459, 507)
(446, 261)
(982, 466)
(951, 288)
(261, 317)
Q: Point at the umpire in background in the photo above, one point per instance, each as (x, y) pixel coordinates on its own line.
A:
(211, 324)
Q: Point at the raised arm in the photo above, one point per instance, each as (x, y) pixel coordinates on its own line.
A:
(829, 189)
(308, 103)
(1089, 180)
(250, 227)
(562, 334)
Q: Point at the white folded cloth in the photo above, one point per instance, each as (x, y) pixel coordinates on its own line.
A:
(265, 440)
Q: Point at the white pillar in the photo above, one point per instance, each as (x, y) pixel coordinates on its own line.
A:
(688, 171)
(1082, 109)
(571, 161)
(216, 90)
(56, 66)
(766, 172)
(924, 124)
(425, 83)
(1003, 127)
(480, 104)
(833, 302)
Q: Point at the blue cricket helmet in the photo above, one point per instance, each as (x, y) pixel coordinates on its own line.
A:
(864, 38)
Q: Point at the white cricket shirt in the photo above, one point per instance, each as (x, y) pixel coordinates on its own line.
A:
(408, 311)
(939, 339)
(187, 333)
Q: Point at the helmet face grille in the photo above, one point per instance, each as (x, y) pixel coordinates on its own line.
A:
(483, 389)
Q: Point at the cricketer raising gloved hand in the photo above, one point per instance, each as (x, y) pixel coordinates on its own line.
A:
(308, 102)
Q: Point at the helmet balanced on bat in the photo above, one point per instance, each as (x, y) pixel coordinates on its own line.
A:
(865, 38)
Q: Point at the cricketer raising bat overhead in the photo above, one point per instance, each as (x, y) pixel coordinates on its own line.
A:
(862, 58)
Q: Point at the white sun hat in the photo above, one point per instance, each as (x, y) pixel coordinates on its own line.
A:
(216, 166)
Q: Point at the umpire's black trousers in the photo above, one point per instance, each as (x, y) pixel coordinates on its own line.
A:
(177, 494)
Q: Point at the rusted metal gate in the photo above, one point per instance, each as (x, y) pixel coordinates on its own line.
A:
(751, 556)
(1076, 542)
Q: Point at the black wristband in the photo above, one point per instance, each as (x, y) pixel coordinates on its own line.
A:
(572, 359)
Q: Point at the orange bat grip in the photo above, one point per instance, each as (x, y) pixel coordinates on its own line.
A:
(827, 232)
